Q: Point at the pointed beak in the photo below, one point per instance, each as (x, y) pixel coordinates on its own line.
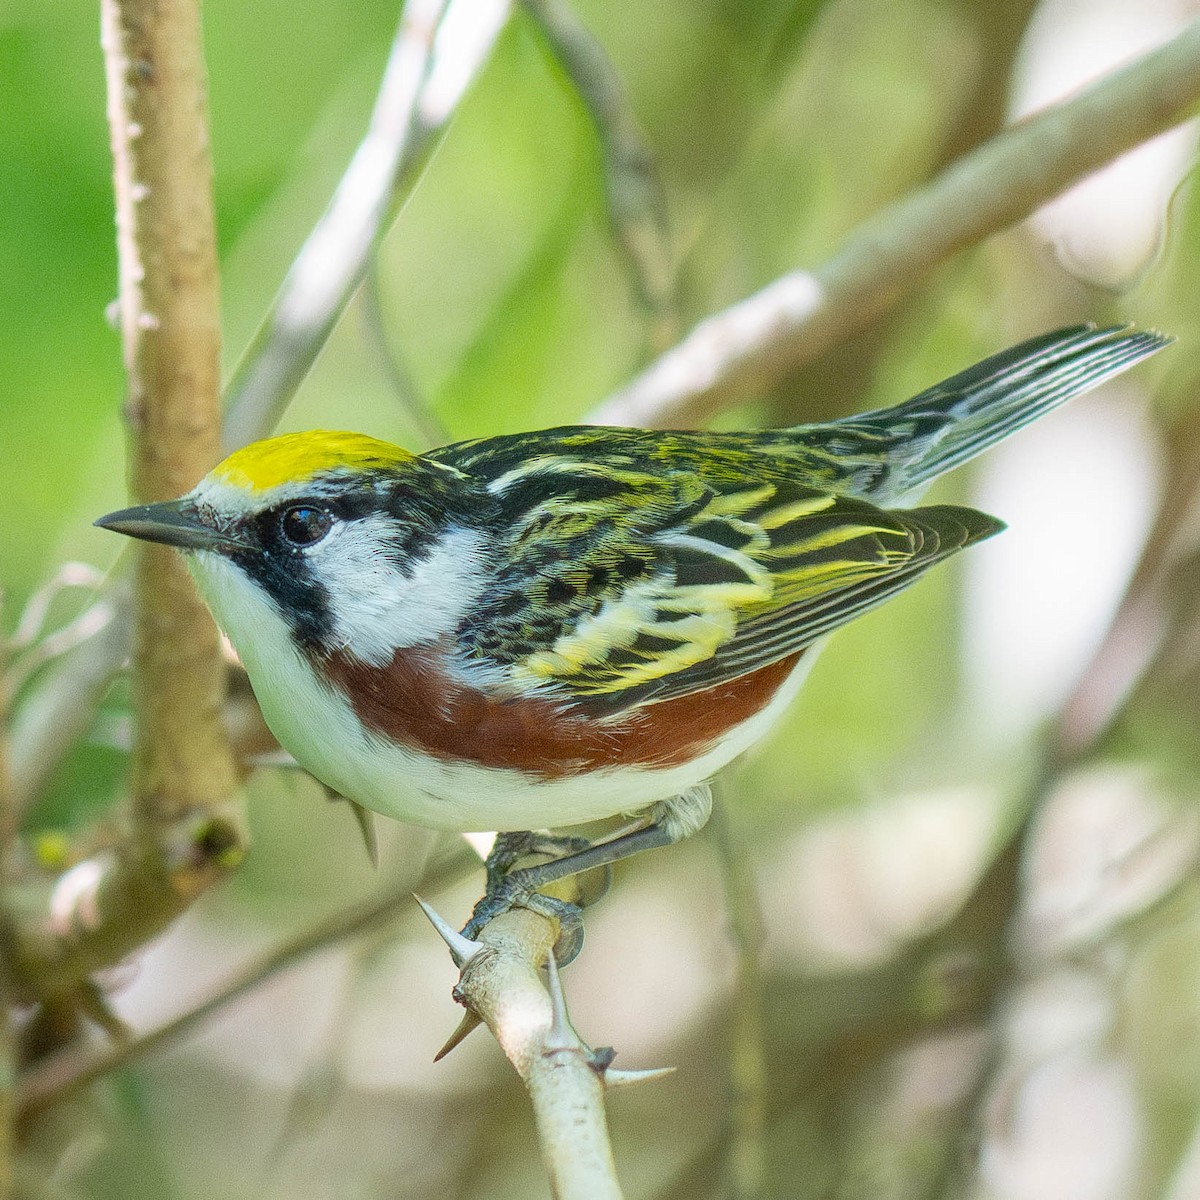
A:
(174, 523)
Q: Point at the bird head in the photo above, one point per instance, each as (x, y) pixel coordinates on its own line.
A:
(354, 544)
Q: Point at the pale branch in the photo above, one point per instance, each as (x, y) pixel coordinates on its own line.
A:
(501, 982)
(61, 706)
(637, 206)
(184, 833)
(798, 315)
(170, 334)
(438, 51)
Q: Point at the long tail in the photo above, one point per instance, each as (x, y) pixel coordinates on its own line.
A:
(964, 415)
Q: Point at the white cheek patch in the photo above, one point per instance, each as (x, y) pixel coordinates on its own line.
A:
(378, 607)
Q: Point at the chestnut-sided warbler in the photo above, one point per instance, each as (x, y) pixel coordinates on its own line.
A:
(549, 628)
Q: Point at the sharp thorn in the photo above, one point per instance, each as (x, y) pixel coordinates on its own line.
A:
(560, 1035)
(467, 1025)
(615, 1077)
(462, 949)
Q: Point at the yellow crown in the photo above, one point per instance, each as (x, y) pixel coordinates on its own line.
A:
(295, 456)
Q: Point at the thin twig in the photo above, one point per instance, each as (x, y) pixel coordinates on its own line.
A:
(8, 1037)
(61, 706)
(798, 315)
(745, 1149)
(438, 51)
(637, 207)
(395, 370)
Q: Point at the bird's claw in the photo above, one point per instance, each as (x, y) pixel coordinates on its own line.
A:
(510, 894)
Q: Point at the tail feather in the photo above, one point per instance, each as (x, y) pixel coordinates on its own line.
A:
(943, 427)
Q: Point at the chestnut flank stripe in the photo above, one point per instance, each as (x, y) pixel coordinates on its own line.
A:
(413, 702)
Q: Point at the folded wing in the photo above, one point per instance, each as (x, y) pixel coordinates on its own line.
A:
(741, 581)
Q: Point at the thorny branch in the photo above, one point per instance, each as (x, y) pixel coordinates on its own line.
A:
(500, 984)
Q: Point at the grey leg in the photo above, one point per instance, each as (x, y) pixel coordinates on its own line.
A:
(670, 821)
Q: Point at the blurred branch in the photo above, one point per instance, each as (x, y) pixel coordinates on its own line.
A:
(8, 1036)
(637, 207)
(439, 50)
(395, 371)
(183, 836)
(833, 382)
(745, 1156)
(1138, 626)
(113, 902)
(999, 30)
(58, 1078)
(798, 315)
(62, 705)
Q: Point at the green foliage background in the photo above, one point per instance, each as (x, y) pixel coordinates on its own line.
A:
(777, 127)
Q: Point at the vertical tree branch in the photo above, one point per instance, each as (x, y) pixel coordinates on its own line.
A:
(170, 332)
(745, 1152)
(637, 205)
(183, 771)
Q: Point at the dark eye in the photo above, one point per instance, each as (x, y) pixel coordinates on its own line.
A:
(304, 524)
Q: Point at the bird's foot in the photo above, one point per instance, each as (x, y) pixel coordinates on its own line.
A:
(557, 860)
(512, 892)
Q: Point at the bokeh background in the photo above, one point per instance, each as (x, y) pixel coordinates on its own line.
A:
(970, 848)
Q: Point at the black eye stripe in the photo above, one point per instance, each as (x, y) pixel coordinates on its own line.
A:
(304, 524)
